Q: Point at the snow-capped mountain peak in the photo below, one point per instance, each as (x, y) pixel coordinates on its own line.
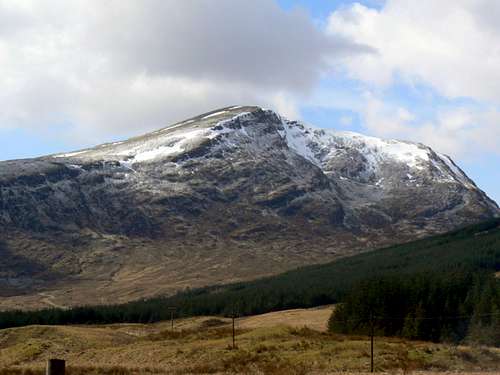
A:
(348, 155)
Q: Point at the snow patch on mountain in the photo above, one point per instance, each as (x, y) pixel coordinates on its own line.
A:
(166, 142)
(70, 154)
(320, 146)
(175, 144)
(311, 143)
(214, 114)
(458, 174)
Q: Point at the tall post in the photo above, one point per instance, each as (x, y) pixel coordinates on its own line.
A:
(172, 319)
(172, 311)
(56, 367)
(233, 316)
(371, 341)
(234, 340)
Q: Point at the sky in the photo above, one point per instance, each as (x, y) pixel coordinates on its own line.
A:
(76, 73)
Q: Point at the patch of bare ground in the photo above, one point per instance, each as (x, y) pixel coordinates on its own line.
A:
(289, 342)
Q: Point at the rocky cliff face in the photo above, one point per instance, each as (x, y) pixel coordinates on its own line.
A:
(233, 194)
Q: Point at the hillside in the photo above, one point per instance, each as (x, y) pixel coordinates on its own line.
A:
(472, 249)
(229, 195)
(277, 343)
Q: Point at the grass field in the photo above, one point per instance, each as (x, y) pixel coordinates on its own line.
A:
(288, 342)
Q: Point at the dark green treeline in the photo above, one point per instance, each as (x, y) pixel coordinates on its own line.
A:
(445, 306)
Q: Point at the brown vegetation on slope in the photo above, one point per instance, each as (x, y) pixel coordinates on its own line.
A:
(265, 345)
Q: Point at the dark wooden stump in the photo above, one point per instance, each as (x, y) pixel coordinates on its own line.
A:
(56, 367)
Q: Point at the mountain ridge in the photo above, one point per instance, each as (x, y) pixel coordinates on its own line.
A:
(220, 118)
(232, 194)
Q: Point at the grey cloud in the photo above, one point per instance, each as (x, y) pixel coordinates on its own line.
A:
(232, 40)
(486, 13)
(12, 21)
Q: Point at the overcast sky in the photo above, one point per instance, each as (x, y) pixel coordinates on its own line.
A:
(76, 73)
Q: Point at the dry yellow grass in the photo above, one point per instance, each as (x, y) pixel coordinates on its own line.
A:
(315, 318)
(275, 343)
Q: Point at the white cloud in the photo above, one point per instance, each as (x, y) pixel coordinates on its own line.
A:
(461, 132)
(121, 66)
(451, 46)
(444, 43)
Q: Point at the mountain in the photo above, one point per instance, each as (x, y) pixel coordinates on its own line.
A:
(233, 194)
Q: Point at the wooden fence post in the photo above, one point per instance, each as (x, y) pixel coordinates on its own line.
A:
(233, 316)
(371, 342)
(234, 334)
(172, 310)
(56, 367)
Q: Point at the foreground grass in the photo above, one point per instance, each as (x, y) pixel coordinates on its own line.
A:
(202, 345)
